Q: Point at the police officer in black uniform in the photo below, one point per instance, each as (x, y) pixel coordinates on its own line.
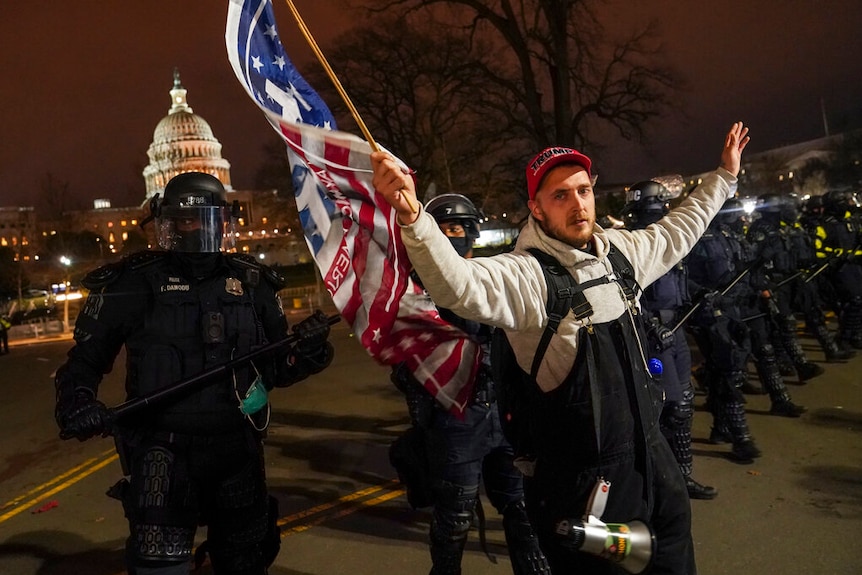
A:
(198, 459)
(771, 239)
(720, 334)
(799, 220)
(837, 241)
(464, 451)
(665, 302)
(723, 261)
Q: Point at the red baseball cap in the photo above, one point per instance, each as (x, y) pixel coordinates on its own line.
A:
(550, 158)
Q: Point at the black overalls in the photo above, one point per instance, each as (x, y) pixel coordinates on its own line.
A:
(603, 422)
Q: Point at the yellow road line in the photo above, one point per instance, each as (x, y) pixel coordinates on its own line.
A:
(94, 464)
(28, 504)
(323, 507)
(47, 484)
(342, 513)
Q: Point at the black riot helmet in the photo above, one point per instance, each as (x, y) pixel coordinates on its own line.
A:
(780, 207)
(812, 208)
(456, 208)
(732, 213)
(837, 203)
(193, 216)
(646, 203)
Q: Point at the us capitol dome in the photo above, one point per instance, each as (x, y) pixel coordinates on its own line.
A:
(183, 142)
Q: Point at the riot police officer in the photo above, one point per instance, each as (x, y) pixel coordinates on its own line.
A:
(466, 450)
(749, 297)
(198, 459)
(665, 302)
(728, 328)
(837, 242)
(770, 238)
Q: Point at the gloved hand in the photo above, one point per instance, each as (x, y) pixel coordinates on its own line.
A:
(313, 332)
(83, 417)
(660, 337)
(712, 299)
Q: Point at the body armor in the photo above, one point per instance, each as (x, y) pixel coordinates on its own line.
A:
(191, 326)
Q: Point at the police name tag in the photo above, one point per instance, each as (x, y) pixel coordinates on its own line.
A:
(233, 286)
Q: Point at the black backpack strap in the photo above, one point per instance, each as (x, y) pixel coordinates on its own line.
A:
(564, 293)
(625, 272)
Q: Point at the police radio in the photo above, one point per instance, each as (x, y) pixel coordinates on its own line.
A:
(630, 545)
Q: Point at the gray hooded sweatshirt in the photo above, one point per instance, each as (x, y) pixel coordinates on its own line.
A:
(509, 290)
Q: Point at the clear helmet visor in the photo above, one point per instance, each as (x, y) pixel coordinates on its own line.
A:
(200, 229)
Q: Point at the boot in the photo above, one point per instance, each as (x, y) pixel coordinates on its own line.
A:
(808, 370)
(745, 451)
(805, 369)
(787, 408)
(699, 491)
(831, 349)
(732, 424)
(767, 371)
(526, 556)
(840, 353)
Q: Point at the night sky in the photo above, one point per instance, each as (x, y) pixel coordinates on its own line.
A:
(86, 82)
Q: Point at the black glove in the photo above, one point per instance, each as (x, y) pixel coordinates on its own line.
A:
(83, 417)
(712, 299)
(313, 332)
(660, 336)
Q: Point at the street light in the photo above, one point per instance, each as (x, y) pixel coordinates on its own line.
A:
(66, 261)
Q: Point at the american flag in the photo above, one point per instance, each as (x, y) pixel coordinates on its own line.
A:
(349, 228)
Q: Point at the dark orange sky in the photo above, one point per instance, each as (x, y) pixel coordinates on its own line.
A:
(84, 85)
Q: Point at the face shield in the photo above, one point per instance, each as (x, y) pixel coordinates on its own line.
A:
(195, 229)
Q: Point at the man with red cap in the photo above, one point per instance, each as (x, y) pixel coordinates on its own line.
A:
(593, 408)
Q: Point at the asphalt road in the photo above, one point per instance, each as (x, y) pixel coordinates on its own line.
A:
(796, 510)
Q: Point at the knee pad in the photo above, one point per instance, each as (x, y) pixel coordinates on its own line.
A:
(677, 415)
(162, 526)
(453, 511)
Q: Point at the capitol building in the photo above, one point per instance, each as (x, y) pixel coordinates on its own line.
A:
(183, 141)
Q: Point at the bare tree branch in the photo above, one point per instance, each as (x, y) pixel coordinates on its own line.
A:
(561, 48)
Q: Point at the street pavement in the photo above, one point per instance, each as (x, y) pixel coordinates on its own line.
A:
(796, 510)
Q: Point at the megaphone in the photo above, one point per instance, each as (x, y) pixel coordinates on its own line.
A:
(630, 545)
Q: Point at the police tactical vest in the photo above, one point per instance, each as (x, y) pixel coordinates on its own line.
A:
(191, 326)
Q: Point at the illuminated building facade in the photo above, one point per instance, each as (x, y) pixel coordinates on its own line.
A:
(18, 228)
(183, 141)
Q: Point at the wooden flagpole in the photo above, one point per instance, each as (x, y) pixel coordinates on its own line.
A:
(341, 91)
